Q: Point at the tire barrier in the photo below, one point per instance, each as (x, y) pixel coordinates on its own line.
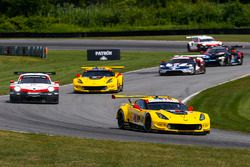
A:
(36, 51)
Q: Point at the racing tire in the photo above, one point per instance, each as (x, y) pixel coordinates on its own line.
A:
(120, 119)
(56, 101)
(241, 61)
(147, 123)
(224, 63)
(188, 48)
(75, 92)
(12, 100)
(161, 74)
(203, 133)
(204, 71)
(194, 72)
(120, 88)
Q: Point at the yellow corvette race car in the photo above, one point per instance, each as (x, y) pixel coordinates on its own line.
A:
(161, 113)
(99, 79)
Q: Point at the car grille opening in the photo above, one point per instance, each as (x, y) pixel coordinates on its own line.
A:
(94, 88)
(174, 72)
(185, 126)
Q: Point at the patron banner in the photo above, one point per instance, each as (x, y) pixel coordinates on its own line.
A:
(103, 54)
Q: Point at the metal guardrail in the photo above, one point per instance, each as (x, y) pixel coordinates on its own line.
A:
(125, 33)
(36, 51)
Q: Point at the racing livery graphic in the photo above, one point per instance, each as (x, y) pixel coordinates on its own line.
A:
(183, 64)
(197, 42)
(99, 79)
(34, 87)
(161, 113)
(223, 55)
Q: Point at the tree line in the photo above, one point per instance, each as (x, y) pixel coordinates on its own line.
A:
(101, 15)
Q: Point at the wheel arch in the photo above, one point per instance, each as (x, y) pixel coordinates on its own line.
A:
(124, 111)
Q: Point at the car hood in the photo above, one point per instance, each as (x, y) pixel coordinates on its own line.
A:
(179, 117)
(95, 80)
(30, 86)
(211, 42)
(176, 65)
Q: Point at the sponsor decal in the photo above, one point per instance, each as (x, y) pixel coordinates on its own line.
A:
(103, 58)
(101, 53)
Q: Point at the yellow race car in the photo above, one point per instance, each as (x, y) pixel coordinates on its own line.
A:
(161, 113)
(99, 79)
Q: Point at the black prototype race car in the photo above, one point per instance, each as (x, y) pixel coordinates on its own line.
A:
(223, 55)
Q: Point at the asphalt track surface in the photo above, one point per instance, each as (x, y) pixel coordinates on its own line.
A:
(93, 115)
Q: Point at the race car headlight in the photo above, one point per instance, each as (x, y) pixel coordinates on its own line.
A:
(161, 116)
(109, 81)
(51, 89)
(190, 66)
(202, 117)
(206, 57)
(162, 66)
(17, 89)
(79, 81)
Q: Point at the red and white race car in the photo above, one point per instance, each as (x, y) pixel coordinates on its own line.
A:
(197, 42)
(34, 87)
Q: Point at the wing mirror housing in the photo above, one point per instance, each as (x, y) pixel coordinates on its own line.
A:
(78, 75)
(190, 108)
(136, 106)
(12, 81)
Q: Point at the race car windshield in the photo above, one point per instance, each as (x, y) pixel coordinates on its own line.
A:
(182, 61)
(166, 106)
(98, 73)
(206, 40)
(34, 79)
(216, 50)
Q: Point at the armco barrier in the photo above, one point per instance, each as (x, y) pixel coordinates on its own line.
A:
(36, 51)
(125, 33)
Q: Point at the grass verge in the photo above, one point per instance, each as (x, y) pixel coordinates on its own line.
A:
(227, 105)
(41, 150)
(68, 63)
(224, 38)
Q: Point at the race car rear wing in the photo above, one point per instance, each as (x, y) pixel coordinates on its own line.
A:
(111, 67)
(194, 56)
(116, 96)
(197, 36)
(191, 37)
(22, 72)
(236, 46)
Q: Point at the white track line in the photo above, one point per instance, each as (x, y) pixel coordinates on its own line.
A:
(196, 93)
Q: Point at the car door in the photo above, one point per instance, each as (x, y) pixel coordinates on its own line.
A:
(137, 112)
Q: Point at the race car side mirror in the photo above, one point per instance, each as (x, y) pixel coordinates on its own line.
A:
(78, 75)
(56, 82)
(12, 81)
(190, 108)
(136, 107)
(118, 74)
